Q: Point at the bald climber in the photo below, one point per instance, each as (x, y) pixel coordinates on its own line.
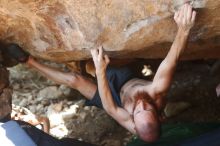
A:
(136, 104)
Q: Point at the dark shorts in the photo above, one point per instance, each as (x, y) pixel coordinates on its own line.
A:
(116, 77)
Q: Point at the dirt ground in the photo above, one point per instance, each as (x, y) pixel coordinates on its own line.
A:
(194, 83)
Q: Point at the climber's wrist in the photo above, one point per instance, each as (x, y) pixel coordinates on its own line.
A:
(184, 32)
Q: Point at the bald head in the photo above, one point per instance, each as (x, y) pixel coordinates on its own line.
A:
(147, 125)
(146, 118)
(149, 131)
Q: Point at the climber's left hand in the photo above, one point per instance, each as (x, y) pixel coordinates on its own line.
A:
(185, 17)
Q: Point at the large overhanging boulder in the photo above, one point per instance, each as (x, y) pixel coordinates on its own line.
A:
(65, 30)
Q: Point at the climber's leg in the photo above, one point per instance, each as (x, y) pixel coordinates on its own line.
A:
(73, 80)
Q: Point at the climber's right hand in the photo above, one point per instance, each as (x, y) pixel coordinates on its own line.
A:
(100, 59)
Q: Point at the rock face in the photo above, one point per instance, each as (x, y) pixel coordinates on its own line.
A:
(65, 30)
(5, 93)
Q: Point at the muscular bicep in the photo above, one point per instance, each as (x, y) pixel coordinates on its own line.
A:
(124, 119)
(163, 78)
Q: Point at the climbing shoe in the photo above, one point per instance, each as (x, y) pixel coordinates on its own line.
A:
(16, 52)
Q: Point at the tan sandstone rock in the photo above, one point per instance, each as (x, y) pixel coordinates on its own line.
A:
(65, 30)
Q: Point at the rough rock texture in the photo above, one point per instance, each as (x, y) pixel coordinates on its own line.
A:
(65, 30)
(5, 93)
